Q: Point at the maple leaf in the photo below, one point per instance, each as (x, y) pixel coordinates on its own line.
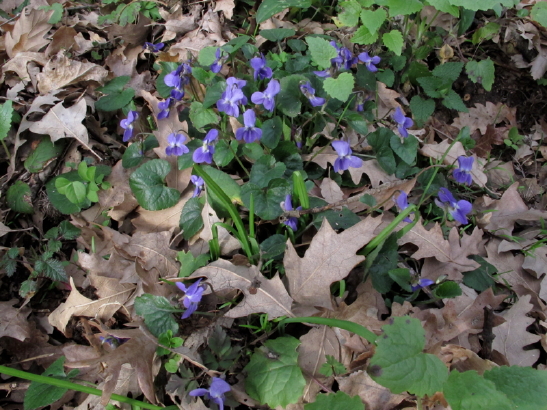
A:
(453, 252)
(28, 32)
(512, 336)
(13, 321)
(262, 295)
(329, 258)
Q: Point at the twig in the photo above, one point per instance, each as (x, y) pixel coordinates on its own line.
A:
(487, 334)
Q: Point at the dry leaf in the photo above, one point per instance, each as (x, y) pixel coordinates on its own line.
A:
(331, 191)
(118, 193)
(4, 229)
(512, 336)
(159, 221)
(28, 32)
(13, 321)
(373, 171)
(492, 136)
(228, 244)
(226, 6)
(536, 264)
(18, 64)
(500, 174)
(481, 116)
(63, 39)
(329, 258)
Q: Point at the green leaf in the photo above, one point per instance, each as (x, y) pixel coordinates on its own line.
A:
(57, 14)
(157, 313)
(228, 185)
(469, 391)
(364, 36)
(399, 363)
(201, 116)
(134, 154)
(28, 288)
(387, 77)
(339, 88)
(481, 278)
(350, 16)
(373, 20)
(482, 72)
(189, 264)
(343, 219)
(447, 289)
(6, 113)
(454, 101)
(59, 200)
(481, 5)
(271, 132)
(321, 51)
(148, 187)
(191, 221)
(273, 247)
(75, 191)
(288, 99)
(448, 71)
(403, 7)
(51, 268)
(273, 374)
(270, 7)
(365, 78)
(277, 34)
(253, 151)
(115, 101)
(382, 260)
(265, 169)
(421, 109)
(44, 152)
(539, 13)
(335, 401)
(486, 32)
(129, 13)
(68, 231)
(525, 387)
(445, 6)
(287, 153)
(394, 41)
(19, 197)
(266, 202)
(223, 154)
(207, 56)
(431, 85)
(42, 394)
(166, 67)
(203, 76)
(405, 148)
(368, 199)
(236, 43)
(114, 86)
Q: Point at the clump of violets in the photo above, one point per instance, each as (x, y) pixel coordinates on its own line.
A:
(458, 209)
(344, 60)
(206, 151)
(345, 159)
(233, 96)
(164, 107)
(261, 70)
(462, 174)
(219, 60)
(402, 122)
(370, 62)
(309, 92)
(249, 133)
(154, 48)
(402, 204)
(199, 183)
(291, 222)
(175, 145)
(266, 98)
(215, 393)
(128, 124)
(422, 283)
(192, 296)
(178, 79)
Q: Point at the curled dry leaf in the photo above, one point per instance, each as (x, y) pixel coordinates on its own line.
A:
(18, 64)
(13, 321)
(28, 32)
(262, 295)
(329, 258)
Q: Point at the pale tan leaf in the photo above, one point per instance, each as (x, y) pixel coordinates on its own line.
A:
(228, 244)
(226, 6)
(512, 336)
(386, 99)
(13, 321)
(18, 64)
(480, 116)
(331, 191)
(374, 172)
(536, 264)
(28, 32)
(159, 221)
(323, 157)
(4, 229)
(262, 295)
(329, 258)
(118, 193)
(499, 174)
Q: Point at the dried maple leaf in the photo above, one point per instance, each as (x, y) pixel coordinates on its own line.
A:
(512, 336)
(329, 258)
(28, 32)
(13, 321)
(262, 295)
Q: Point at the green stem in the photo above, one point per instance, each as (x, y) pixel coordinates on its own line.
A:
(342, 324)
(6, 149)
(73, 386)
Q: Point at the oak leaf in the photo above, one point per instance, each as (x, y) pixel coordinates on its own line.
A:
(13, 321)
(28, 32)
(481, 116)
(331, 191)
(262, 295)
(18, 64)
(329, 258)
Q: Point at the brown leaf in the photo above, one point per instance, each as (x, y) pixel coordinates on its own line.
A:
(19, 62)
(329, 258)
(373, 171)
(159, 221)
(118, 193)
(481, 116)
(228, 244)
(226, 6)
(536, 264)
(28, 32)
(492, 136)
(512, 336)
(63, 39)
(262, 295)
(4, 229)
(13, 321)
(331, 191)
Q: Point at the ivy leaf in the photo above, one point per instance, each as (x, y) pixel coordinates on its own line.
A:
(149, 189)
(273, 374)
(399, 363)
(335, 401)
(19, 197)
(469, 391)
(157, 313)
(321, 51)
(201, 116)
(270, 7)
(394, 41)
(339, 88)
(481, 72)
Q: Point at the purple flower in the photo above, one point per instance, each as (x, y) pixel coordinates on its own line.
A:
(199, 183)
(217, 65)
(291, 222)
(206, 151)
(176, 145)
(402, 204)
(370, 62)
(322, 74)
(261, 70)
(462, 174)
(127, 125)
(234, 83)
(345, 159)
(267, 97)
(422, 283)
(178, 77)
(402, 122)
(345, 58)
(309, 92)
(153, 47)
(249, 133)
(458, 209)
(163, 106)
(192, 296)
(215, 393)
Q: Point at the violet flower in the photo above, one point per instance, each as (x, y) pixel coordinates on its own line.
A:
(422, 283)
(402, 122)
(206, 151)
(215, 393)
(261, 70)
(199, 183)
(345, 159)
(309, 92)
(178, 79)
(266, 98)
(345, 58)
(291, 222)
(232, 97)
(370, 62)
(323, 74)
(463, 173)
(176, 145)
(127, 125)
(154, 48)
(458, 209)
(192, 296)
(164, 106)
(249, 133)
(217, 65)
(402, 204)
